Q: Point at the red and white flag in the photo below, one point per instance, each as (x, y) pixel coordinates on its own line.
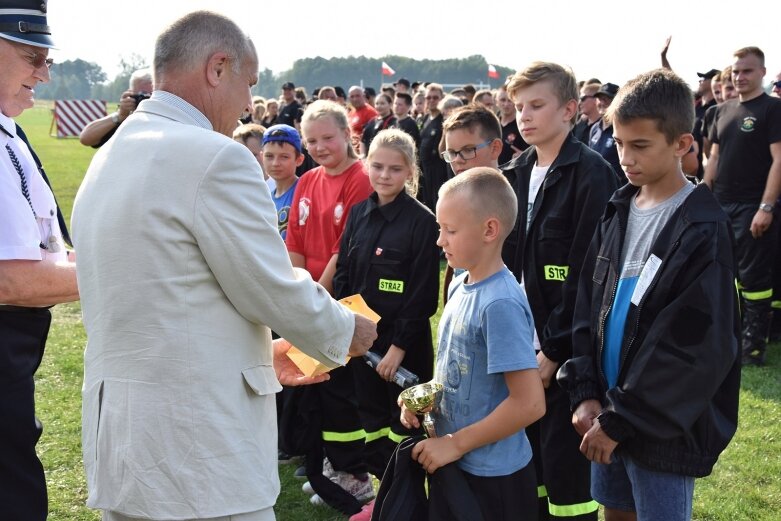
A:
(492, 73)
(386, 70)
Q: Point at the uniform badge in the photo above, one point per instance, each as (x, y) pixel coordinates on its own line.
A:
(378, 251)
(749, 122)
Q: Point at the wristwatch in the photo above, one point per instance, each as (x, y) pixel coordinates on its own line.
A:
(766, 207)
(115, 118)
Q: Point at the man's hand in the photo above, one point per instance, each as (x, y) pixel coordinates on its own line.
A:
(287, 372)
(665, 63)
(126, 104)
(363, 337)
(760, 223)
(390, 363)
(584, 416)
(597, 446)
(547, 368)
(434, 453)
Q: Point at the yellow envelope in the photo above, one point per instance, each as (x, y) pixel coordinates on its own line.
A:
(311, 367)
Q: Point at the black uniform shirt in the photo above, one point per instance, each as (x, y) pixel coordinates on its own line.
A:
(389, 255)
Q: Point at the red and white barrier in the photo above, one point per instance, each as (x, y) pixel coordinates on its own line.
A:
(71, 116)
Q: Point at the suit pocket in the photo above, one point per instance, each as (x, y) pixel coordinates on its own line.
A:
(262, 379)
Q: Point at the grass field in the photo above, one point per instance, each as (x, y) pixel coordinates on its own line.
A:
(746, 483)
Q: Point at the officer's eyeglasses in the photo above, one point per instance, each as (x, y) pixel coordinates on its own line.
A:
(585, 97)
(465, 153)
(37, 60)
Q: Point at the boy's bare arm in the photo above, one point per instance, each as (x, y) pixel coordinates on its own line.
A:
(524, 406)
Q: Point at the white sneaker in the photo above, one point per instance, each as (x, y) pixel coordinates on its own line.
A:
(307, 488)
(317, 501)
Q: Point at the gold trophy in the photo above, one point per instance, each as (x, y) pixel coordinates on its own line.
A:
(423, 398)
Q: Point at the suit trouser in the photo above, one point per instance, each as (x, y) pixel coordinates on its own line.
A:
(563, 473)
(267, 514)
(22, 481)
(343, 435)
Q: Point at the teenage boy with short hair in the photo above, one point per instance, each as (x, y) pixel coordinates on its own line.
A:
(402, 104)
(562, 188)
(655, 373)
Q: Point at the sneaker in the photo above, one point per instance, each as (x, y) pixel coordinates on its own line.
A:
(365, 514)
(300, 472)
(307, 488)
(317, 501)
(360, 488)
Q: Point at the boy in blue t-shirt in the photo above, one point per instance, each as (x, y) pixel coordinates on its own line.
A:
(655, 374)
(281, 156)
(485, 359)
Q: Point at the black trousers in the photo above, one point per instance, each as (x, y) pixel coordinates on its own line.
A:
(380, 416)
(563, 473)
(343, 435)
(23, 333)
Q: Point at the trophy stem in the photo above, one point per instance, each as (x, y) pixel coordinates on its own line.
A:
(428, 426)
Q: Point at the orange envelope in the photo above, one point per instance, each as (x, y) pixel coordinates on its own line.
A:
(311, 367)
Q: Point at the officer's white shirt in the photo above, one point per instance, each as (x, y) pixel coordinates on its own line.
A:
(20, 232)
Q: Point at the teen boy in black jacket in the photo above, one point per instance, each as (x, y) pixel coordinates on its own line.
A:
(655, 373)
(562, 188)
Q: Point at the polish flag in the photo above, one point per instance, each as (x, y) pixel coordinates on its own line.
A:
(492, 72)
(386, 70)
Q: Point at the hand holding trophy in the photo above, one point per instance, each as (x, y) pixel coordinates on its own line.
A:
(421, 399)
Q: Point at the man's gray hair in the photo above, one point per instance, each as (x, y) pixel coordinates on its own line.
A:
(139, 76)
(192, 39)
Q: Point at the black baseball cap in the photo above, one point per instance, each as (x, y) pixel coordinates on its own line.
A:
(288, 85)
(402, 81)
(607, 89)
(708, 75)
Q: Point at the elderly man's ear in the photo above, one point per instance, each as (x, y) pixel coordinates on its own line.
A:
(216, 67)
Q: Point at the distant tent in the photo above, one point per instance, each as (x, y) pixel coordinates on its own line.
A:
(71, 116)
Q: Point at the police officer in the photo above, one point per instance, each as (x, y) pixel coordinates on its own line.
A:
(36, 272)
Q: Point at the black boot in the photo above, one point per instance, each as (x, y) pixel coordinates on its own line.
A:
(756, 325)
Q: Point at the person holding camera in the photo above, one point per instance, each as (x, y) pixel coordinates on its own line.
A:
(96, 134)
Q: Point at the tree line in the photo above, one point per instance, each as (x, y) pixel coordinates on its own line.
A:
(79, 79)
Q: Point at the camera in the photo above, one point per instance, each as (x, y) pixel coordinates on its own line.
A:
(140, 96)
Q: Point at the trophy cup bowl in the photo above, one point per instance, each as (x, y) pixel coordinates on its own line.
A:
(423, 397)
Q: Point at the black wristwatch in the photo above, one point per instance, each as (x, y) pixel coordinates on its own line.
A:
(766, 207)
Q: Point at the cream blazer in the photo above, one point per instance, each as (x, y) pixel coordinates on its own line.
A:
(182, 272)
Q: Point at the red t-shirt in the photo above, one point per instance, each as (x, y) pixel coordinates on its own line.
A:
(358, 119)
(319, 212)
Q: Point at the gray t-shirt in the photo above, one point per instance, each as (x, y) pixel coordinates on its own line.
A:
(643, 228)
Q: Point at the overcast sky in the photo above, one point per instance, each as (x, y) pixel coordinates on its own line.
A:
(612, 41)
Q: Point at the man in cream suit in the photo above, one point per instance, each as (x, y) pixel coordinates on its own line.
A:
(183, 273)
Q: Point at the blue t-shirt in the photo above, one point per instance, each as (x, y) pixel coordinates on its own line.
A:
(643, 227)
(282, 204)
(485, 331)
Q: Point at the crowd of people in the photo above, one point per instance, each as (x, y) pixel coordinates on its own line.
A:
(591, 341)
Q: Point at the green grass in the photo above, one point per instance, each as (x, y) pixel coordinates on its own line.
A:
(745, 485)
